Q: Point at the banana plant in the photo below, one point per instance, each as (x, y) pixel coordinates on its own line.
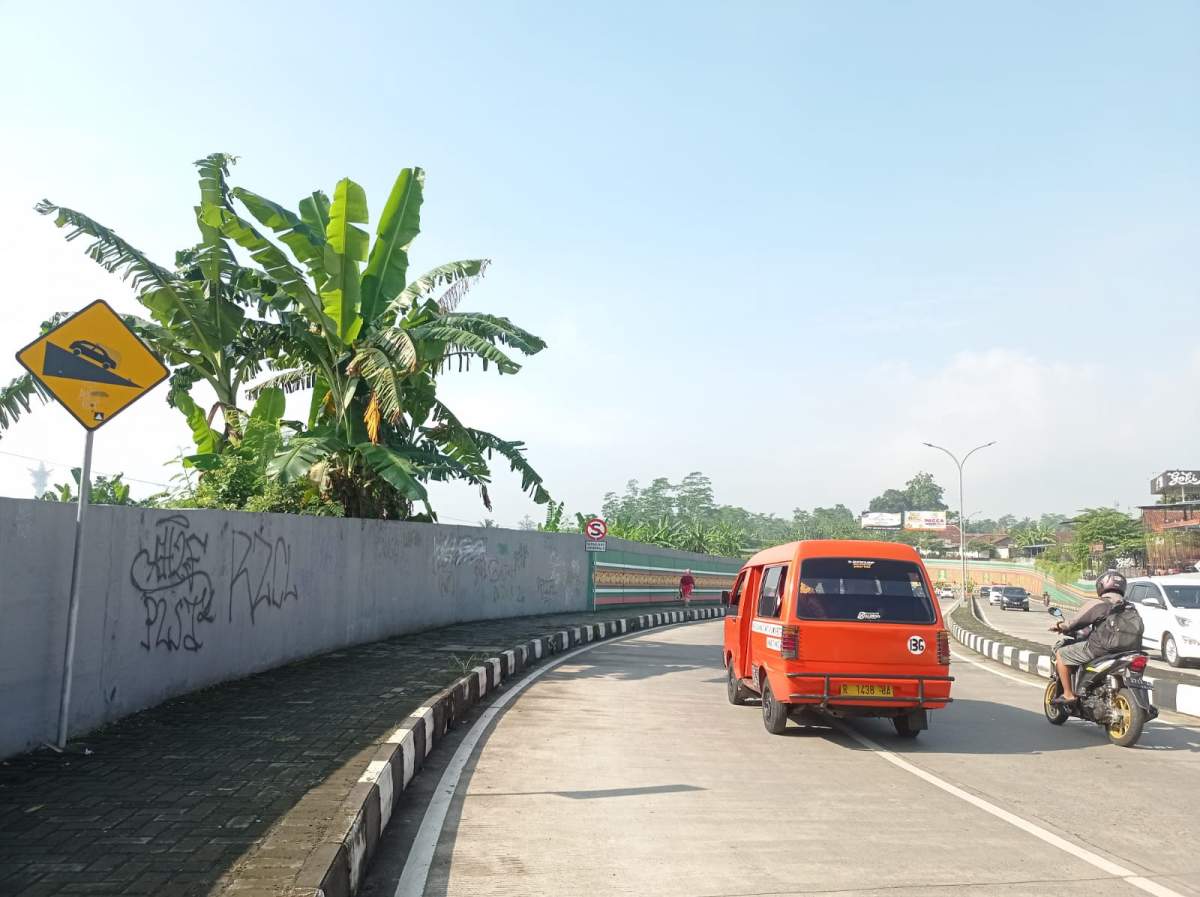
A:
(370, 344)
(16, 399)
(197, 310)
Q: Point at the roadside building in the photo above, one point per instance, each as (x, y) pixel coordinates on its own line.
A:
(999, 544)
(1173, 524)
(980, 546)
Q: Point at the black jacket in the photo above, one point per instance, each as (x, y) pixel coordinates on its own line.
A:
(1108, 602)
(1089, 617)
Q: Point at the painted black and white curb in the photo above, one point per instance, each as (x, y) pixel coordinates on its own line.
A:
(337, 867)
(1167, 694)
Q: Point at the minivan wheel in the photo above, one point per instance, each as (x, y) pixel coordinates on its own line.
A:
(775, 715)
(1170, 651)
(904, 727)
(733, 687)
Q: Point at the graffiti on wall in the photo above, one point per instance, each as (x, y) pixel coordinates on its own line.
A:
(176, 565)
(262, 572)
(456, 551)
(173, 574)
(495, 576)
(175, 588)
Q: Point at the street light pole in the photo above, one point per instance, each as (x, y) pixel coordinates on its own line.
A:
(962, 507)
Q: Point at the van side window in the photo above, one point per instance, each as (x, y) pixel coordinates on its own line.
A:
(770, 596)
(735, 597)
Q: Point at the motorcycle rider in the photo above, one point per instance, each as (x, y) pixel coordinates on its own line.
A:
(1110, 588)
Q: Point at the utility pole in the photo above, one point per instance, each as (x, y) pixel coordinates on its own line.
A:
(962, 508)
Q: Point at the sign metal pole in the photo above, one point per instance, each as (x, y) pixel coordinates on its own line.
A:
(95, 366)
(85, 489)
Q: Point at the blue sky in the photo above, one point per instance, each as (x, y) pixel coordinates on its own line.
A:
(779, 243)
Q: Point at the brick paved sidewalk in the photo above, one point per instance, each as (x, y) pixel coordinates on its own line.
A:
(239, 781)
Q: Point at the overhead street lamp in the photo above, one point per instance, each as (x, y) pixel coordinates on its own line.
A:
(962, 519)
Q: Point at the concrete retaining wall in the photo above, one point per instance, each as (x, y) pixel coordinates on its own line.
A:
(175, 601)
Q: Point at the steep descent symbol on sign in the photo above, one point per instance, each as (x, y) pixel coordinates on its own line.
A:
(60, 362)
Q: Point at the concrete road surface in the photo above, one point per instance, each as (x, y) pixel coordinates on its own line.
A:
(624, 770)
(1034, 625)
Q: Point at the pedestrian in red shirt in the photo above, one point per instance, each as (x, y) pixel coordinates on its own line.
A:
(687, 584)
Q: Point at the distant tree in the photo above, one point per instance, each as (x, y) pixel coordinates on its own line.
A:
(891, 501)
(1120, 534)
(921, 493)
(1033, 534)
(657, 500)
(837, 522)
(624, 506)
(924, 494)
(694, 497)
(526, 523)
(984, 548)
(982, 525)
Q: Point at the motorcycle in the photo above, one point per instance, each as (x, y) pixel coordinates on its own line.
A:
(1112, 693)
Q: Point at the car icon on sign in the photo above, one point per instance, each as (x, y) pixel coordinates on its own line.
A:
(95, 352)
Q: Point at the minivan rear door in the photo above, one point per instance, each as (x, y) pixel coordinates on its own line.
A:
(883, 611)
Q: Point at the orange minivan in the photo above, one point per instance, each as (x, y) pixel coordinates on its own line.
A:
(846, 628)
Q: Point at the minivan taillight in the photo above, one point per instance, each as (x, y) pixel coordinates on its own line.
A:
(1138, 663)
(943, 647)
(789, 643)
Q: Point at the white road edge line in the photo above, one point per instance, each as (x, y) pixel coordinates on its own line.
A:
(420, 856)
(1094, 859)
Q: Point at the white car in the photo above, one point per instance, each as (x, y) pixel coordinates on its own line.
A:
(945, 593)
(1170, 610)
(995, 593)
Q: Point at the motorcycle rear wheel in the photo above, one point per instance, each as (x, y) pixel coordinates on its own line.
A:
(1126, 731)
(1055, 713)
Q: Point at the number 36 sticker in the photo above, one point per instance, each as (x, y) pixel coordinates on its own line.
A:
(916, 645)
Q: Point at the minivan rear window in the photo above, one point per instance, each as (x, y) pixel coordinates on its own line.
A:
(868, 590)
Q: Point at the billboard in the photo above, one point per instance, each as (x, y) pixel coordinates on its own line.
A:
(1174, 479)
(929, 520)
(881, 520)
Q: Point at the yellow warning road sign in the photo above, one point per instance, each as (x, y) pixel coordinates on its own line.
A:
(93, 364)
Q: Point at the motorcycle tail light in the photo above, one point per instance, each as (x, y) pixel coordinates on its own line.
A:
(943, 647)
(1138, 663)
